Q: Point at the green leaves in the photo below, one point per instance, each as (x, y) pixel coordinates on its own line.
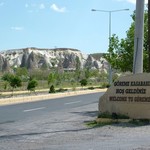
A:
(83, 82)
(32, 84)
(13, 80)
(51, 78)
(120, 52)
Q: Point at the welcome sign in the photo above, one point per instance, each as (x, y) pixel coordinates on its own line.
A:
(129, 95)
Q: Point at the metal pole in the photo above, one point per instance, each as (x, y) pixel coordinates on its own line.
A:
(109, 27)
(138, 38)
(110, 69)
(109, 12)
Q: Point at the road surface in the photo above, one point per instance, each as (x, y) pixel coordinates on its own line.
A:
(18, 112)
(59, 124)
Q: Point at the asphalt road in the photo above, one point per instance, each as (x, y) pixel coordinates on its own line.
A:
(59, 124)
(13, 113)
(40, 125)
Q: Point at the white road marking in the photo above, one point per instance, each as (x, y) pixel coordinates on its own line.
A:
(34, 109)
(72, 103)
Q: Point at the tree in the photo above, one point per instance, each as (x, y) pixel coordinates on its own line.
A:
(32, 84)
(51, 78)
(120, 52)
(87, 73)
(13, 80)
(7, 77)
(22, 72)
(83, 82)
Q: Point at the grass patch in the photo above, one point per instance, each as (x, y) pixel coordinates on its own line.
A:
(112, 116)
(140, 122)
(94, 123)
(106, 118)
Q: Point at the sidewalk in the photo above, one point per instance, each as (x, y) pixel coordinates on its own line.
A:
(25, 99)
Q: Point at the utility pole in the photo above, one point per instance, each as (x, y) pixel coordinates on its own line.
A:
(138, 37)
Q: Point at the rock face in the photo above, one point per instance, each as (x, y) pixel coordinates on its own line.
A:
(4, 64)
(130, 95)
(34, 58)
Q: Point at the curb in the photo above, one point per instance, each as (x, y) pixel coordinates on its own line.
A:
(25, 99)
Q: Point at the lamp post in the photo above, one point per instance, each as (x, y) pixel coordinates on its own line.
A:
(110, 12)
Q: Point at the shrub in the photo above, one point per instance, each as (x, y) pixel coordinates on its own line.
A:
(61, 90)
(83, 82)
(32, 84)
(112, 116)
(52, 89)
(105, 85)
(91, 88)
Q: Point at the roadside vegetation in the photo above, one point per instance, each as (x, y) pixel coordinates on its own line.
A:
(114, 119)
(51, 81)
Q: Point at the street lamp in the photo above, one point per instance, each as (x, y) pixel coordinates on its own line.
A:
(110, 12)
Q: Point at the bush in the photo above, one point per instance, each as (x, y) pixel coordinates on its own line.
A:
(105, 85)
(112, 116)
(61, 90)
(32, 84)
(91, 88)
(52, 89)
(104, 115)
(83, 82)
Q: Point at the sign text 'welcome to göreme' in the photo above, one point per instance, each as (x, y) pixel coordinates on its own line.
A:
(129, 95)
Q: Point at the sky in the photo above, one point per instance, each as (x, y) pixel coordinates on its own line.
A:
(62, 23)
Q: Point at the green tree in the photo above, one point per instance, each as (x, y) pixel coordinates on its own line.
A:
(78, 63)
(13, 80)
(83, 82)
(22, 72)
(87, 73)
(120, 52)
(32, 84)
(58, 78)
(51, 78)
(7, 77)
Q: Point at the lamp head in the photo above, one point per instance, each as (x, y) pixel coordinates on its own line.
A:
(93, 9)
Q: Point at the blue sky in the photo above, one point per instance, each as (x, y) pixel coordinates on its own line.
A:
(62, 23)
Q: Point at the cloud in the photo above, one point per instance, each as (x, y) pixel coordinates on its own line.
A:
(58, 9)
(26, 5)
(35, 7)
(17, 28)
(42, 6)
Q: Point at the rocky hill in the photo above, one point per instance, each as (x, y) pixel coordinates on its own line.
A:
(34, 58)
